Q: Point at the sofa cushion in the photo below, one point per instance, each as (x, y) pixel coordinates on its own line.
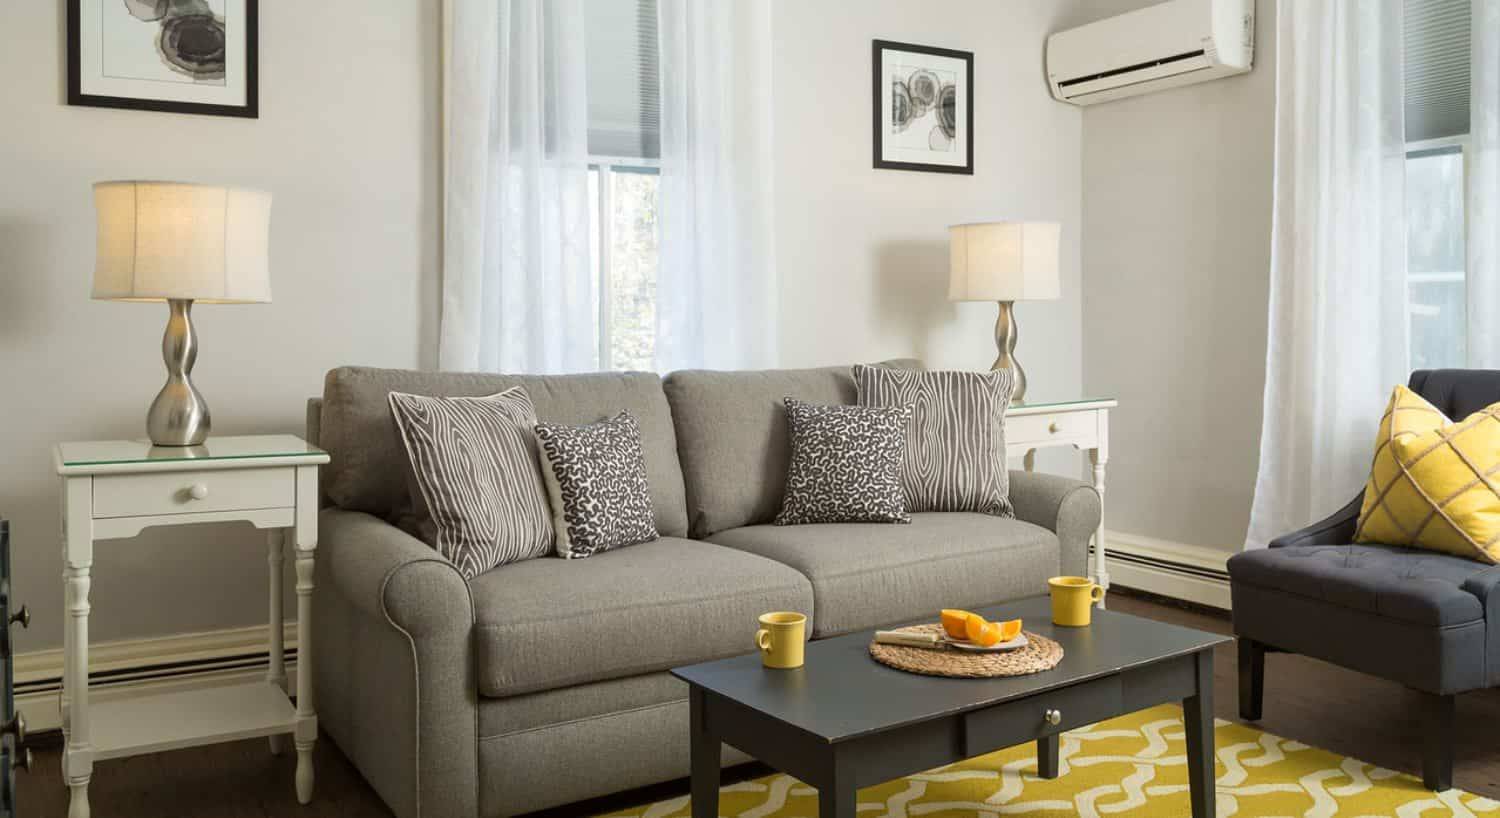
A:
(549, 623)
(732, 437)
(955, 445)
(596, 482)
(1405, 584)
(473, 477)
(367, 467)
(846, 464)
(869, 574)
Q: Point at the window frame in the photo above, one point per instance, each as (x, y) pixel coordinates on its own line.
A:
(1441, 146)
(604, 213)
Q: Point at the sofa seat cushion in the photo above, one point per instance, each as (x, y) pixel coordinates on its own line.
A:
(548, 623)
(869, 574)
(1420, 587)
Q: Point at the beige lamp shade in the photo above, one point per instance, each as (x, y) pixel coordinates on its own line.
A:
(1003, 261)
(170, 240)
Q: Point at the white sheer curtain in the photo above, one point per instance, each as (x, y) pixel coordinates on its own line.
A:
(716, 286)
(1338, 325)
(1484, 188)
(517, 285)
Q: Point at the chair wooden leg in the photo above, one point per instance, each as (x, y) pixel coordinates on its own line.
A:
(1252, 678)
(1437, 741)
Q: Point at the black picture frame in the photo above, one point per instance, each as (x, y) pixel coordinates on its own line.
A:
(878, 119)
(250, 110)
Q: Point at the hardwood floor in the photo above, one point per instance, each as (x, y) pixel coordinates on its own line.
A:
(1313, 702)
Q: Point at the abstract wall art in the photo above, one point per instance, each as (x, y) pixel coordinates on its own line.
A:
(182, 56)
(924, 108)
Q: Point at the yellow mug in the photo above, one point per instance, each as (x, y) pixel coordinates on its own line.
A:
(780, 639)
(1073, 600)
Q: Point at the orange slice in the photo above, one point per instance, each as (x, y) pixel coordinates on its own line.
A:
(982, 633)
(955, 622)
(1010, 630)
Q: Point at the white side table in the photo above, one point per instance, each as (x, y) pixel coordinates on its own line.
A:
(1082, 424)
(114, 489)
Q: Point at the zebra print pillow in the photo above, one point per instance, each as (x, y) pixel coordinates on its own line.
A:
(474, 478)
(955, 445)
(846, 464)
(596, 478)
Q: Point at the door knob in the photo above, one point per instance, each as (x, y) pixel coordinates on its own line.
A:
(22, 617)
(16, 727)
(1053, 717)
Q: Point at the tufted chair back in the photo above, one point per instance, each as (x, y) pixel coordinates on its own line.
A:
(1457, 392)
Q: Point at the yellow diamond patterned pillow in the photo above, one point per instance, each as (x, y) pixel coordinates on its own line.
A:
(1433, 483)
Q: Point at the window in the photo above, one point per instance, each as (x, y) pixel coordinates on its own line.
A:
(1436, 75)
(624, 143)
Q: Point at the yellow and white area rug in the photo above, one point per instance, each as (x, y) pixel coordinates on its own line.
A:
(1134, 766)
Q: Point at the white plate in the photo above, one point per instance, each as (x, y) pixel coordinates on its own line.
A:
(1018, 642)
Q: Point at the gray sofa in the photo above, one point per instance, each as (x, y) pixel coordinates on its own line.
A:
(545, 682)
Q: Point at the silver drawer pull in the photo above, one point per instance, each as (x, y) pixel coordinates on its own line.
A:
(197, 491)
(1053, 717)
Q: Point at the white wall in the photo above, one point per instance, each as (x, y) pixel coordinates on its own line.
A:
(862, 253)
(1176, 259)
(347, 141)
(349, 146)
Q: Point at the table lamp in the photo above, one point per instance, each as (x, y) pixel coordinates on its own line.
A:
(1005, 262)
(180, 243)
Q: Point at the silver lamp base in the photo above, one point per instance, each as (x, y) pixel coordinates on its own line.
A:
(179, 415)
(1005, 339)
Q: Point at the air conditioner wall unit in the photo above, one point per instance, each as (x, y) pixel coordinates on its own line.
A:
(1179, 42)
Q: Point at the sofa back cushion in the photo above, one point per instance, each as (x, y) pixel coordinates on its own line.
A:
(366, 471)
(732, 437)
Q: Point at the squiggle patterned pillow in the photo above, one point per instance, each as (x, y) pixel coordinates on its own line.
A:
(596, 479)
(846, 464)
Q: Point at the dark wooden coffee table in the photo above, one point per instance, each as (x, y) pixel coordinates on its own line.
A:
(844, 721)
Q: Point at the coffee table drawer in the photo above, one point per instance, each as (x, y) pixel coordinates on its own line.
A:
(134, 495)
(1009, 724)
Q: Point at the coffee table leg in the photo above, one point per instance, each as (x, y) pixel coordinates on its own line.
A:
(705, 750)
(1198, 718)
(1047, 748)
(837, 797)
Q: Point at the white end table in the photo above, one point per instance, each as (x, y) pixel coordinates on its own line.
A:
(115, 489)
(1082, 424)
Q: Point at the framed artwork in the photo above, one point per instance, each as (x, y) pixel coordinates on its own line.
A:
(182, 56)
(924, 108)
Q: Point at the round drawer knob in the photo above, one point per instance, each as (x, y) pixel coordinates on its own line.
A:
(1053, 717)
(1053, 427)
(198, 491)
(22, 617)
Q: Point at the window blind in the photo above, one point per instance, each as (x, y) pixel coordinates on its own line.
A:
(623, 82)
(1437, 68)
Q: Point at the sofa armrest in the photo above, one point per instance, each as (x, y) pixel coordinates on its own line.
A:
(1069, 508)
(1336, 529)
(1486, 586)
(394, 671)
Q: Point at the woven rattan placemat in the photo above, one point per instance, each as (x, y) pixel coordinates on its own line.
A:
(1039, 654)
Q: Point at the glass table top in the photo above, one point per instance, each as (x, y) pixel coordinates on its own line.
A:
(121, 452)
(1057, 404)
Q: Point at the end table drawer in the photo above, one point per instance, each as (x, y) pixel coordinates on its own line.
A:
(1009, 724)
(183, 492)
(1059, 426)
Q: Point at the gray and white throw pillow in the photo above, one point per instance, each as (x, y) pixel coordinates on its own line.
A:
(955, 446)
(474, 479)
(596, 478)
(846, 464)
